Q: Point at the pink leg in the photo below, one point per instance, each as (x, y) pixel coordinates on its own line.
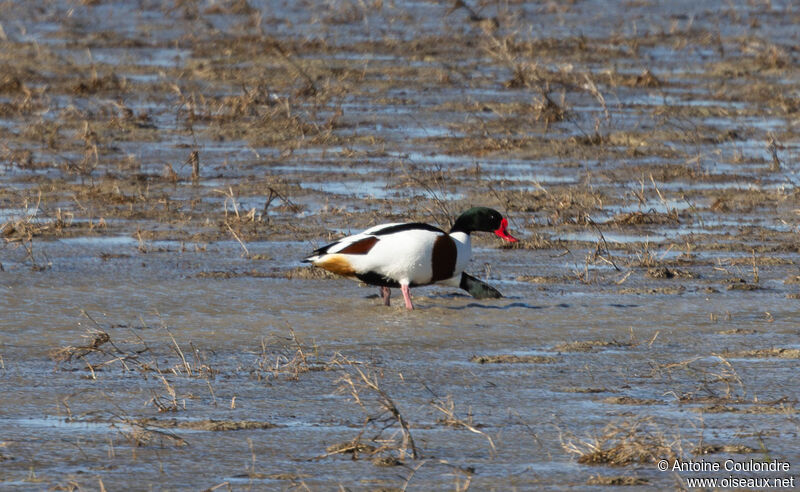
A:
(386, 293)
(407, 296)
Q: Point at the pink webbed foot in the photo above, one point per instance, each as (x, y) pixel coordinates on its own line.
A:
(407, 296)
(386, 293)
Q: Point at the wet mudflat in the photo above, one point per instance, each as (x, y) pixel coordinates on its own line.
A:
(164, 168)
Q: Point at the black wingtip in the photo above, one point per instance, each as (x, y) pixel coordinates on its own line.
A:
(319, 251)
(477, 288)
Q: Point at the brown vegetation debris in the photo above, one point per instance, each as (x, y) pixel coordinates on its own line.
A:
(66, 354)
(548, 110)
(736, 331)
(780, 353)
(664, 272)
(581, 389)
(629, 400)
(589, 345)
(750, 409)
(229, 274)
(536, 241)
(97, 84)
(309, 273)
(355, 447)
(512, 359)
(616, 480)
(230, 7)
(640, 218)
(386, 461)
(206, 425)
(671, 291)
(541, 279)
(723, 448)
(741, 284)
(647, 79)
(794, 279)
(10, 84)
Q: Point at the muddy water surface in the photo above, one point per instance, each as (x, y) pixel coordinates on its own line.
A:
(164, 168)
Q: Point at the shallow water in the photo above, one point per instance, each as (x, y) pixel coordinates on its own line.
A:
(654, 288)
(421, 355)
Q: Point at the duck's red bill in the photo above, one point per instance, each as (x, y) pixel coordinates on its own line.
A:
(502, 232)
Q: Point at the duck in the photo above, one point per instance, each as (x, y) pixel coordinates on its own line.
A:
(413, 254)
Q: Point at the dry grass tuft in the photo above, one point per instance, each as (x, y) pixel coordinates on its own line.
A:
(382, 413)
(702, 378)
(451, 419)
(102, 352)
(289, 357)
(140, 434)
(637, 440)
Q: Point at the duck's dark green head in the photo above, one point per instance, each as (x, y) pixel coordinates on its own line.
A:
(483, 219)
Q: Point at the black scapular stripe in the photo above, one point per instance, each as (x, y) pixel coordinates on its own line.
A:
(407, 227)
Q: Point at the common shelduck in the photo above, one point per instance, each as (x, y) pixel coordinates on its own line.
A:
(413, 254)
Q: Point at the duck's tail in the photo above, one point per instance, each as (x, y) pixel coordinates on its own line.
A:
(317, 253)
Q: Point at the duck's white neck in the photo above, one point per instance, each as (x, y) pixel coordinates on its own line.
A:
(464, 247)
(461, 237)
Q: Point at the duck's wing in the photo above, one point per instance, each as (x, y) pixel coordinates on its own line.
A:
(344, 245)
(361, 243)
